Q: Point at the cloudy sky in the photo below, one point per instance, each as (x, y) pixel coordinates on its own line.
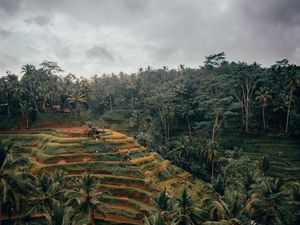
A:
(87, 37)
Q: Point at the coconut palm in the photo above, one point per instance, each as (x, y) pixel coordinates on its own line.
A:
(210, 153)
(61, 215)
(45, 194)
(154, 219)
(217, 209)
(183, 147)
(77, 99)
(263, 97)
(265, 206)
(185, 211)
(85, 196)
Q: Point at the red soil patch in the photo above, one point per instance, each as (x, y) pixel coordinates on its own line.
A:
(118, 218)
(86, 159)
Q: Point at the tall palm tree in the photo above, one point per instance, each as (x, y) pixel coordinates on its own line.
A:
(294, 82)
(210, 152)
(77, 99)
(263, 97)
(85, 196)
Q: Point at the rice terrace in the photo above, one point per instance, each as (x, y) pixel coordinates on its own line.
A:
(150, 112)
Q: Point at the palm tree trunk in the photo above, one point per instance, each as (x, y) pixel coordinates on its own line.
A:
(110, 103)
(44, 104)
(27, 122)
(91, 216)
(189, 126)
(212, 168)
(263, 117)
(288, 112)
(131, 100)
(215, 127)
(22, 110)
(247, 118)
(0, 213)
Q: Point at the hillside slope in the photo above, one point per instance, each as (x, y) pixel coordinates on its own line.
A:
(131, 173)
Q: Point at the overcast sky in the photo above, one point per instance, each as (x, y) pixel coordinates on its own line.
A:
(87, 37)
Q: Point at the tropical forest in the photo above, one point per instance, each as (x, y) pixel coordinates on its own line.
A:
(218, 144)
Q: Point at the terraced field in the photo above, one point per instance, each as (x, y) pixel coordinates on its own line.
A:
(131, 173)
(284, 156)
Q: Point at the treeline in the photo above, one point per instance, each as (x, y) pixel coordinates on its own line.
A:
(220, 96)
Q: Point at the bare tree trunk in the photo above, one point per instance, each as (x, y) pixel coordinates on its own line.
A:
(36, 106)
(168, 127)
(263, 117)
(110, 103)
(44, 105)
(189, 126)
(212, 168)
(132, 100)
(27, 122)
(247, 115)
(289, 110)
(0, 213)
(215, 127)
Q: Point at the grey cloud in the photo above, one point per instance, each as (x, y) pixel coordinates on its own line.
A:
(38, 20)
(100, 52)
(9, 6)
(140, 33)
(4, 33)
(285, 12)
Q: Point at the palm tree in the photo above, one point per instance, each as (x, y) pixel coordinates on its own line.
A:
(184, 210)
(13, 181)
(294, 82)
(210, 152)
(215, 206)
(154, 219)
(263, 97)
(265, 206)
(77, 99)
(183, 147)
(186, 113)
(62, 215)
(85, 196)
(45, 194)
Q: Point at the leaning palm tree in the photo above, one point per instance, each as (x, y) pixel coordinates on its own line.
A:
(85, 196)
(294, 82)
(217, 209)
